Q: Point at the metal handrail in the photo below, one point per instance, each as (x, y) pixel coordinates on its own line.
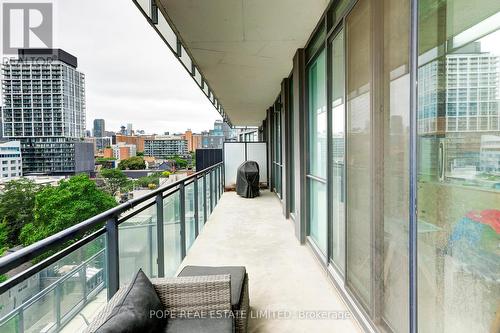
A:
(32, 251)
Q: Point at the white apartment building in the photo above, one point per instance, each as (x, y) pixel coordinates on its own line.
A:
(44, 109)
(10, 160)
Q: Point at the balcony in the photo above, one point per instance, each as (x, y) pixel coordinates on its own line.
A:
(61, 292)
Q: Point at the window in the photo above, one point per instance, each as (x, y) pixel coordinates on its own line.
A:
(359, 138)
(338, 151)
(317, 152)
(459, 168)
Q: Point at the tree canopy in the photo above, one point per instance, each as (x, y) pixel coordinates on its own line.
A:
(115, 180)
(57, 208)
(17, 203)
(180, 162)
(132, 163)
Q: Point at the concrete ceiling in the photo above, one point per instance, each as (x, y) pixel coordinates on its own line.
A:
(244, 48)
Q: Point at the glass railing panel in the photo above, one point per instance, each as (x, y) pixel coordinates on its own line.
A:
(172, 233)
(40, 315)
(190, 211)
(71, 291)
(11, 324)
(51, 298)
(201, 204)
(138, 245)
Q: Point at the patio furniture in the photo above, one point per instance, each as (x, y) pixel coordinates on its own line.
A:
(240, 303)
(188, 304)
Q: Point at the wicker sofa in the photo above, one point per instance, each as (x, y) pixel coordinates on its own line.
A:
(198, 303)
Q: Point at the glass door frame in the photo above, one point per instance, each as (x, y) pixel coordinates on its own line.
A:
(322, 256)
(340, 274)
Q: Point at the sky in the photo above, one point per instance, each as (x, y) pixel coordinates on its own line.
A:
(131, 75)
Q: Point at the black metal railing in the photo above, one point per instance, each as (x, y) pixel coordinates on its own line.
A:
(152, 232)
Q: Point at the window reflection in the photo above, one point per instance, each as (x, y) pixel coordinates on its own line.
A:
(459, 168)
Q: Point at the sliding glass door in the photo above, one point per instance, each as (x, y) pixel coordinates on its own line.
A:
(337, 158)
(359, 152)
(317, 151)
(459, 166)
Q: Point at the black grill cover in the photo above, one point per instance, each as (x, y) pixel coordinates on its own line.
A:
(247, 180)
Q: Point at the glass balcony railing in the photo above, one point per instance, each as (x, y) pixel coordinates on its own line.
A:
(64, 274)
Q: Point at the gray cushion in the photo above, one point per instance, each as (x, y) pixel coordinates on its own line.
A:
(237, 277)
(132, 314)
(197, 325)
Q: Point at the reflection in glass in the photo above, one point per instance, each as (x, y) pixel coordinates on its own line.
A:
(137, 245)
(395, 121)
(172, 233)
(459, 166)
(338, 142)
(190, 222)
(359, 138)
(317, 153)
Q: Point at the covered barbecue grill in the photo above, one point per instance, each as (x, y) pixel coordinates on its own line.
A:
(247, 180)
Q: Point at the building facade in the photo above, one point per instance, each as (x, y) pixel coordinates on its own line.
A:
(166, 147)
(99, 128)
(44, 109)
(122, 151)
(10, 160)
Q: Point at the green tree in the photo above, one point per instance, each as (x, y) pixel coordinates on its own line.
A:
(140, 153)
(4, 232)
(180, 162)
(60, 207)
(17, 203)
(115, 180)
(132, 163)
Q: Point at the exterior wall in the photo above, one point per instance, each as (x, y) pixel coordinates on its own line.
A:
(44, 109)
(164, 148)
(99, 128)
(84, 157)
(213, 141)
(10, 160)
(136, 140)
(108, 152)
(188, 136)
(197, 141)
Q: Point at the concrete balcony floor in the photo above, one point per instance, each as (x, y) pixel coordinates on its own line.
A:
(283, 275)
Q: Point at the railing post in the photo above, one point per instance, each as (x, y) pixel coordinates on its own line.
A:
(223, 168)
(150, 249)
(204, 198)
(112, 256)
(182, 195)
(57, 304)
(216, 190)
(20, 323)
(221, 183)
(195, 207)
(83, 278)
(211, 192)
(160, 243)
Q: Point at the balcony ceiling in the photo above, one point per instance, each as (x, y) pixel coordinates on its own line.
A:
(244, 47)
